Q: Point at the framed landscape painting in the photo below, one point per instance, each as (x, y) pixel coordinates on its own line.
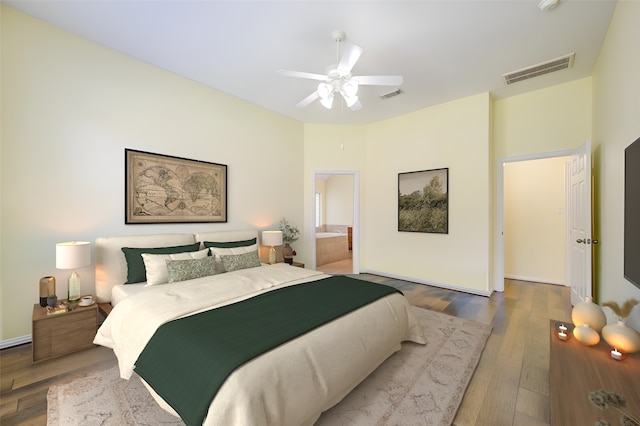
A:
(423, 201)
(165, 189)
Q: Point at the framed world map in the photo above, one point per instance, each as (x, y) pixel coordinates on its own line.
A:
(166, 189)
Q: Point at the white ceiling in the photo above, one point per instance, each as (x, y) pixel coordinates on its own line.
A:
(445, 50)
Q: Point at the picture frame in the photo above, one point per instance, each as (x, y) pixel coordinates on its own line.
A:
(423, 201)
(167, 189)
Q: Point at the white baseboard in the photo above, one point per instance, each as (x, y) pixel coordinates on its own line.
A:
(431, 283)
(534, 279)
(15, 341)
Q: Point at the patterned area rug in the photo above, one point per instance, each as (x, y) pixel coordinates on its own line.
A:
(419, 385)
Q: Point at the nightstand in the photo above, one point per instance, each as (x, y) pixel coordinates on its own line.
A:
(298, 264)
(61, 334)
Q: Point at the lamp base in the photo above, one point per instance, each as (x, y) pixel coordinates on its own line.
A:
(272, 255)
(73, 288)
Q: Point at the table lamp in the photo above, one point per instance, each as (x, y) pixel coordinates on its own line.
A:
(73, 255)
(272, 238)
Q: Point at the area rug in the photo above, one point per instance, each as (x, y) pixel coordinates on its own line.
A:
(419, 385)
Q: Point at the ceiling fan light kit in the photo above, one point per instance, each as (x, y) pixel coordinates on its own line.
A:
(339, 79)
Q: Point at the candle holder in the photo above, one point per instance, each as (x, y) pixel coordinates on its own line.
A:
(561, 331)
(617, 354)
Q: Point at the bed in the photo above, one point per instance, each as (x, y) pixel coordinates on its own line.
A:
(290, 384)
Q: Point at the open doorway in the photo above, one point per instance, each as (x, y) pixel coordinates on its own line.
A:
(578, 236)
(335, 218)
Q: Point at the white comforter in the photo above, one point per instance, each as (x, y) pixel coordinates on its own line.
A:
(290, 385)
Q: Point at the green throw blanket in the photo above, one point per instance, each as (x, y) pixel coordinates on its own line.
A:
(187, 360)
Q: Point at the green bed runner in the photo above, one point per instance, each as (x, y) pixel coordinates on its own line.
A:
(187, 360)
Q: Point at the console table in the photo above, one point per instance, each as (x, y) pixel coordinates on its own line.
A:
(576, 370)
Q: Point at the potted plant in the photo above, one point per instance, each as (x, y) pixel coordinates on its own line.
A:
(290, 234)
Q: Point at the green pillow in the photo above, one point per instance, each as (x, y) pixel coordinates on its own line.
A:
(234, 262)
(182, 270)
(136, 273)
(230, 244)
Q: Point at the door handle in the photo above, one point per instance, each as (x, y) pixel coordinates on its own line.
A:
(580, 241)
(595, 241)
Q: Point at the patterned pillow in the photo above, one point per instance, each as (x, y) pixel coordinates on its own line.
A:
(234, 262)
(182, 270)
(156, 264)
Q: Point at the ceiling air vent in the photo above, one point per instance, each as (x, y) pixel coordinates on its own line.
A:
(391, 94)
(561, 63)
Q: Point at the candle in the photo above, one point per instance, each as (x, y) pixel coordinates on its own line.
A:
(563, 336)
(615, 354)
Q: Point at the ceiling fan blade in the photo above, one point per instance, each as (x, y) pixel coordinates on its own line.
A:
(301, 74)
(349, 58)
(356, 106)
(379, 80)
(306, 101)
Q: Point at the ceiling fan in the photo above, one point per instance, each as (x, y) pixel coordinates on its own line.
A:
(339, 79)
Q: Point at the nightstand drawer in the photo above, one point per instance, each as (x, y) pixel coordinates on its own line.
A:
(64, 333)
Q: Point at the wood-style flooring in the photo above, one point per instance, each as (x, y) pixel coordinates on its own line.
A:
(510, 385)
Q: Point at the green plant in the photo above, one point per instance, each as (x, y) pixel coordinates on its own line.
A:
(290, 233)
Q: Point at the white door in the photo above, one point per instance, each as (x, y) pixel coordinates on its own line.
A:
(580, 223)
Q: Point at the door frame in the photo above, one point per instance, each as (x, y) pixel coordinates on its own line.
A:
(355, 235)
(498, 282)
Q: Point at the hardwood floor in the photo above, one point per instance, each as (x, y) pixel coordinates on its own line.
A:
(510, 385)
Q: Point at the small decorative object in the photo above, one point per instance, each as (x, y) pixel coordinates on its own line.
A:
(587, 312)
(603, 399)
(586, 335)
(272, 239)
(616, 354)
(60, 308)
(73, 255)
(562, 331)
(619, 336)
(47, 288)
(52, 300)
(290, 234)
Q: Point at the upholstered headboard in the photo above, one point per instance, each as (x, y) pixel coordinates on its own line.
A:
(111, 266)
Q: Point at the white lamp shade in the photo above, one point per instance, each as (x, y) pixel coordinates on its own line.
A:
(272, 238)
(72, 255)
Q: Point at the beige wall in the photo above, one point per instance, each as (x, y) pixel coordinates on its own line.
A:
(548, 120)
(339, 200)
(616, 94)
(535, 220)
(71, 107)
(454, 135)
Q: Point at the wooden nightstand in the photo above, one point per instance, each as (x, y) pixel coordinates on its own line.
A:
(298, 264)
(61, 334)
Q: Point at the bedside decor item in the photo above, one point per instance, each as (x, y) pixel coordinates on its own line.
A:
(290, 234)
(47, 288)
(423, 201)
(561, 331)
(73, 255)
(603, 399)
(272, 239)
(165, 189)
(619, 336)
(590, 313)
(586, 335)
(52, 300)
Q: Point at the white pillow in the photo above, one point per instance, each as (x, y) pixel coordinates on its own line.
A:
(156, 264)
